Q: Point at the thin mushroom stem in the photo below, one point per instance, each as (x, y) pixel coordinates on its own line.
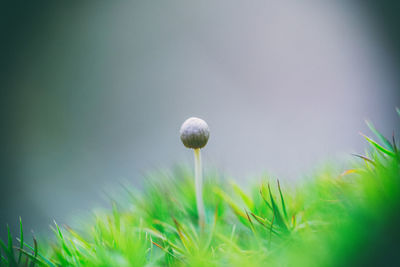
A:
(198, 172)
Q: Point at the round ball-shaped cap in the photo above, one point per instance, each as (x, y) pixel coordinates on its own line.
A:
(194, 133)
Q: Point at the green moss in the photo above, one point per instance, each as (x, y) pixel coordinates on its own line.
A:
(350, 219)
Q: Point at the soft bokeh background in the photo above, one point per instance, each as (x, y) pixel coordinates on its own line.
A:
(93, 93)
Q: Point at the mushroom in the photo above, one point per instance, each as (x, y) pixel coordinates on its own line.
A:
(194, 134)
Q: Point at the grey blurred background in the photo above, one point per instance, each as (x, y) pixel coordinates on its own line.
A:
(93, 93)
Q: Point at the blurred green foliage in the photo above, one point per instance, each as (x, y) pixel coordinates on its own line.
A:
(347, 219)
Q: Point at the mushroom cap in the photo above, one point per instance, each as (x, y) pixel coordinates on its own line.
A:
(194, 133)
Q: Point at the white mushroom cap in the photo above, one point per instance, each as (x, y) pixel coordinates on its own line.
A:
(194, 133)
